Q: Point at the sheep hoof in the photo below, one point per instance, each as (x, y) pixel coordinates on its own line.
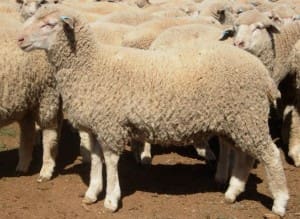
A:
(22, 168)
(278, 210)
(295, 155)
(43, 179)
(146, 160)
(229, 198)
(19, 173)
(88, 201)
(110, 205)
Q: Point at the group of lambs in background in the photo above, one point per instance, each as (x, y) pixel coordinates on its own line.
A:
(196, 70)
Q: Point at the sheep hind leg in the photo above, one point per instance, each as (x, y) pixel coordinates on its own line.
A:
(294, 140)
(142, 152)
(243, 163)
(27, 138)
(146, 154)
(271, 160)
(223, 166)
(85, 146)
(96, 177)
(203, 150)
(113, 191)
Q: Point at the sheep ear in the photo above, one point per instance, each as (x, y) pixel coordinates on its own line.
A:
(68, 21)
(296, 17)
(19, 1)
(273, 28)
(226, 34)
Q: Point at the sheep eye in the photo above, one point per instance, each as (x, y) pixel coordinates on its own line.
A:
(47, 25)
(43, 2)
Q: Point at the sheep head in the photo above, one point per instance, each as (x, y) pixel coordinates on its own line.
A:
(252, 31)
(41, 30)
(29, 7)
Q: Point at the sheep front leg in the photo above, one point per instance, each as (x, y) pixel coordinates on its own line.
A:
(50, 139)
(113, 191)
(27, 138)
(243, 163)
(294, 141)
(96, 177)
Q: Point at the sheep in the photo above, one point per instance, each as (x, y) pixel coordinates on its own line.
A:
(282, 14)
(29, 7)
(185, 34)
(130, 17)
(257, 34)
(168, 102)
(218, 10)
(28, 95)
(144, 34)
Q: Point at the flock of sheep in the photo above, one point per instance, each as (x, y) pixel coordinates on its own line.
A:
(196, 70)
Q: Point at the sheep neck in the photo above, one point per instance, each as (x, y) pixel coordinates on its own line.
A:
(70, 53)
(284, 43)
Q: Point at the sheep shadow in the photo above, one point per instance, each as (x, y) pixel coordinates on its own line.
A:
(68, 150)
(177, 179)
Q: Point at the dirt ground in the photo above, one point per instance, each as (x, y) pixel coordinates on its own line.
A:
(176, 185)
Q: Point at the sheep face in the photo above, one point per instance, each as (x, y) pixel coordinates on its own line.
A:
(41, 30)
(252, 37)
(29, 7)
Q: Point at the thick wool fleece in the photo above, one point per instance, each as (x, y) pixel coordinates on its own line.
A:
(27, 85)
(144, 34)
(158, 97)
(186, 34)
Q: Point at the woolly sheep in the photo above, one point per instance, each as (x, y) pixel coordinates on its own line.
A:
(29, 7)
(109, 91)
(144, 34)
(256, 33)
(185, 34)
(28, 95)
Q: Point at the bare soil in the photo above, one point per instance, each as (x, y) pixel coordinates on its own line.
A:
(177, 185)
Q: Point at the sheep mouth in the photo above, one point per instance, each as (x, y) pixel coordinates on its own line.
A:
(26, 47)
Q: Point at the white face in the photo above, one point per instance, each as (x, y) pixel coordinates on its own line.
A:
(40, 34)
(252, 38)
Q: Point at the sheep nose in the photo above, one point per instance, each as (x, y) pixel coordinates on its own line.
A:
(21, 39)
(239, 43)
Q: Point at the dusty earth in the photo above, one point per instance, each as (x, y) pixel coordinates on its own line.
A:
(177, 185)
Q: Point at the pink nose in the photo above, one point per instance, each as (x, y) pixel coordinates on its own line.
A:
(239, 43)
